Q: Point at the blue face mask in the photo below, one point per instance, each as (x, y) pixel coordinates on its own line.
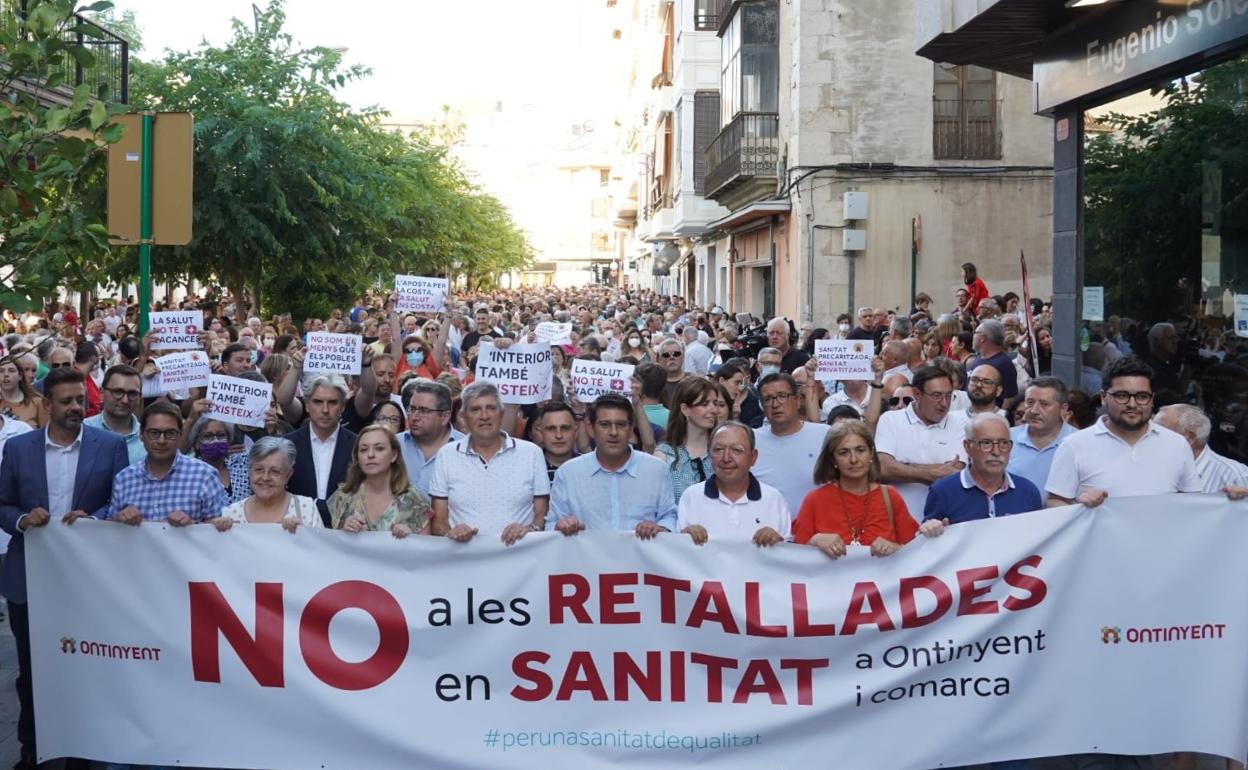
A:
(415, 358)
(255, 356)
(769, 369)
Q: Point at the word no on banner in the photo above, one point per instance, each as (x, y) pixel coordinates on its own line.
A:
(239, 401)
(333, 353)
(604, 650)
(417, 294)
(523, 374)
(176, 329)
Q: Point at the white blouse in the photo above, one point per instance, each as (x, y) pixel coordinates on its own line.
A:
(302, 508)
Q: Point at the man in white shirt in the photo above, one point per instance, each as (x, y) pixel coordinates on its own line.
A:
(322, 446)
(488, 481)
(733, 504)
(1215, 471)
(787, 445)
(921, 444)
(697, 355)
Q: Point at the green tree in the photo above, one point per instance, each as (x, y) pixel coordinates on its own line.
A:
(53, 138)
(301, 198)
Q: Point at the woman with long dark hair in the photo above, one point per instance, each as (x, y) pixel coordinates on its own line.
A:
(976, 288)
(698, 405)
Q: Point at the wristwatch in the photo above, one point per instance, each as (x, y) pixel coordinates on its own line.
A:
(876, 384)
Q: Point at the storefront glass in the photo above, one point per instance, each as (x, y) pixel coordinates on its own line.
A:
(1165, 184)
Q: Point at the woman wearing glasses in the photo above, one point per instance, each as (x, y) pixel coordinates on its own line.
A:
(271, 462)
(388, 415)
(849, 506)
(210, 440)
(697, 407)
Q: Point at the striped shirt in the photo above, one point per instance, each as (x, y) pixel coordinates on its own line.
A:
(1216, 472)
(191, 486)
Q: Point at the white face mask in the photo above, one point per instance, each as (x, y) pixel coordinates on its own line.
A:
(844, 328)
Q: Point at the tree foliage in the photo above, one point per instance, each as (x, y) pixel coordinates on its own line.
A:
(1149, 186)
(53, 137)
(303, 199)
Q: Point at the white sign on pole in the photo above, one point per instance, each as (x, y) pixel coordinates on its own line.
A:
(179, 371)
(333, 353)
(591, 379)
(1094, 303)
(844, 360)
(1241, 315)
(523, 373)
(605, 651)
(554, 333)
(417, 294)
(242, 402)
(176, 329)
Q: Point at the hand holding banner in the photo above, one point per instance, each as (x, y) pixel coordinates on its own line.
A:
(417, 294)
(333, 353)
(523, 373)
(591, 379)
(176, 329)
(239, 401)
(844, 360)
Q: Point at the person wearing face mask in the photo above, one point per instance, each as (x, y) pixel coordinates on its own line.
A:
(635, 349)
(210, 438)
(843, 326)
(768, 362)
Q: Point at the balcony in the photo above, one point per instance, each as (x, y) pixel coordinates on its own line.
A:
(966, 129)
(108, 73)
(745, 154)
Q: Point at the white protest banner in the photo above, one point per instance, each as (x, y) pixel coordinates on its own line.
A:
(1094, 303)
(333, 353)
(844, 360)
(417, 294)
(523, 373)
(242, 402)
(1241, 315)
(1050, 633)
(179, 371)
(591, 379)
(176, 329)
(554, 333)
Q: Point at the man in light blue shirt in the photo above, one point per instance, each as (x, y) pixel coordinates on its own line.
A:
(121, 392)
(428, 406)
(615, 487)
(1043, 430)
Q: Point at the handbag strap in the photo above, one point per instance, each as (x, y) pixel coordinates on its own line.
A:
(888, 506)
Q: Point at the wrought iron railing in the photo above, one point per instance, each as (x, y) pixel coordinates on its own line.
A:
(747, 148)
(966, 129)
(108, 72)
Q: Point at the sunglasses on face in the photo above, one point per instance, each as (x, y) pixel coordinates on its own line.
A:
(901, 401)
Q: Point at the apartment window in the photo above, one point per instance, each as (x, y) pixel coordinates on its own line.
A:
(705, 16)
(750, 61)
(604, 177)
(966, 114)
(705, 127)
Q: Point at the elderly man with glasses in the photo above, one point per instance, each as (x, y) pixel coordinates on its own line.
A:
(123, 395)
(983, 489)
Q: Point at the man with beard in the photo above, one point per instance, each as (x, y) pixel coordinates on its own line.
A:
(983, 387)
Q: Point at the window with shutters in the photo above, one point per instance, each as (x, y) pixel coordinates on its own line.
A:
(705, 127)
(678, 153)
(965, 113)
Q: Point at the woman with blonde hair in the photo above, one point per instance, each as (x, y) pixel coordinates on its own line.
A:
(18, 399)
(850, 506)
(376, 494)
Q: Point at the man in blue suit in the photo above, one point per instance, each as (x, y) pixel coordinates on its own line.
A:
(322, 446)
(64, 471)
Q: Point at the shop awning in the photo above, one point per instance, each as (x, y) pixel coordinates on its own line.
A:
(664, 260)
(1002, 35)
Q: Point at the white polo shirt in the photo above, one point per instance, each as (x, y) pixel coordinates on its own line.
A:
(490, 495)
(907, 439)
(788, 462)
(1159, 463)
(724, 519)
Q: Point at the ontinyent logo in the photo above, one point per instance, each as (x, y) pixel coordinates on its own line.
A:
(68, 646)
(1111, 635)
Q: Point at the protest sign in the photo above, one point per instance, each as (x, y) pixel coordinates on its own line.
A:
(844, 360)
(591, 379)
(1094, 303)
(179, 371)
(554, 333)
(333, 353)
(1241, 315)
(417, 294)
(1042, 634)
(242, 402)
(176, 329)
(523, 373)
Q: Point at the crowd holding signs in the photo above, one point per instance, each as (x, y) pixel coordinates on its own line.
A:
(521, 372)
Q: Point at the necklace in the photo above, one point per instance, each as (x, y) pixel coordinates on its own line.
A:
(855, 528)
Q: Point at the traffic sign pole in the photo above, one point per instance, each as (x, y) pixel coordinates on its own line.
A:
(145, 223)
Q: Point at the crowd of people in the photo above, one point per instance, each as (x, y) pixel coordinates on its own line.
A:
(730, 431)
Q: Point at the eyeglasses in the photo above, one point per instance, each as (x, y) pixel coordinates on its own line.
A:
(1123, 396)
(121, 394)
(389, 420)
(152, 434)
(671, 354)
(987, 444)
(901, 401)
(983, 381)
(214, 437)
(59, 366)
(939, 396)
(420, 411)
(778, 398)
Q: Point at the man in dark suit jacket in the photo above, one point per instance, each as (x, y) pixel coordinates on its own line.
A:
(323, 442)
(66, 471)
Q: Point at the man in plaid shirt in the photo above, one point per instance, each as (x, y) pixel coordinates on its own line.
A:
(168, 486)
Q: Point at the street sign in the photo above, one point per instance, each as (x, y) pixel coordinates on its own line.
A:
(172, 178)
